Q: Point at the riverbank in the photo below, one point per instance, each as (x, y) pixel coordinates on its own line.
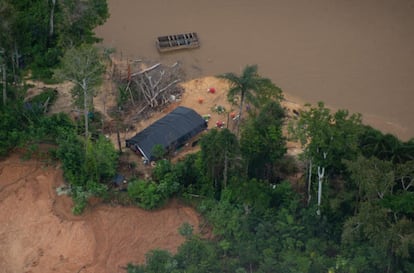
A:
(352, 55)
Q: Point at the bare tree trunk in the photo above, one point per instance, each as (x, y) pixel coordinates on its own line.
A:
(4, 84)
(15, 62)
(85, 107)
(118, 137)
(310, 182)
(321, 173)
(52, 14)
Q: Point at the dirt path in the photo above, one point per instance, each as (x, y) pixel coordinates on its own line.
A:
(38, 233)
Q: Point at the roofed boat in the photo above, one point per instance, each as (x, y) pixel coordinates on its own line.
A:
(177, 42)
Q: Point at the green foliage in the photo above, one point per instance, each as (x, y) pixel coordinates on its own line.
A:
(83, 67)
(97, 163)
(71, 153)
(380, 224)
(197, 256)
(187, 172)
(250, 87)
(385, 146)
(219, 158)
(266, 227)
(80, 200)
(168, 185)
(44, 99)
(86, 165)
(144, 193)
(101, 160)
(11, 127)
(162, 168)
(150, 194)
(158, 151)
(328, 138)
(38, 32)
(160, 261)
(227, 220)
(123, 96)
(186, 230)
(135, 268)
(252, 193)
(262, 141)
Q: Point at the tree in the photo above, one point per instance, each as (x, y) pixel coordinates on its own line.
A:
(197, 256)
(327, 139)
(3, 72)
(160, 261)
(385, 146)
(262, 141)
(35, 33)
(246, 86)
(220, 157)
(6, 25)
(83, 67)
(78, 19)
(383, 219)
(52, 18)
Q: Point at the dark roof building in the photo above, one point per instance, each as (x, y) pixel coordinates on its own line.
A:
(171, 132)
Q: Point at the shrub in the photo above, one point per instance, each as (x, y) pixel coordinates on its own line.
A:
(144, 193)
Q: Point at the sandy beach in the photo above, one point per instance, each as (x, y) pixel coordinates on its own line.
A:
(350, 54)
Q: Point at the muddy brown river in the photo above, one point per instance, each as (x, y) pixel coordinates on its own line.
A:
(351, 54)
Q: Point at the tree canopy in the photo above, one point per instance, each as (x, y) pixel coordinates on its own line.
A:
(249, 87)
(36, 33)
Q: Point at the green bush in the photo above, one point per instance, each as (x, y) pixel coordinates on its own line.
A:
(161, 169)
(11, 127)
(168, 185)
(186, 230)
(144, 193)
(149, 194)
(48, 94)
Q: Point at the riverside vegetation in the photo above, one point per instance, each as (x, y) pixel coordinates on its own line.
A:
(350, 210)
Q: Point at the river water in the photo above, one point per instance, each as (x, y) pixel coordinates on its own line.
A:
(352, 54)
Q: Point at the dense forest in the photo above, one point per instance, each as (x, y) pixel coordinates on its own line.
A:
(346, 204)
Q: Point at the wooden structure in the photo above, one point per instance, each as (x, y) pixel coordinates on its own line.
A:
(178, 41)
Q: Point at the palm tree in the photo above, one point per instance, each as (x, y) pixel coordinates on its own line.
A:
(247, 86)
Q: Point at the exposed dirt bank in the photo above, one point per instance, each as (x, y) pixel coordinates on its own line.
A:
(38, 233)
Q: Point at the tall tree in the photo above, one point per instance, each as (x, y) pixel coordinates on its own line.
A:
(83, 67)
(4, 76)
(262, 141)
(6, 38)
(220, 157)
(385, 146)
(383, 220)
(327, 139)
(246, 86)
(52, 18)
(78, 19)
(37, 32)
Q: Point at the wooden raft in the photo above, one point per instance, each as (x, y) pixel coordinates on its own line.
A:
(178, 41)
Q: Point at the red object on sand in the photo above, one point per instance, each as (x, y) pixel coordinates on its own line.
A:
(200, 100)
(232, 115)
(212, 90)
